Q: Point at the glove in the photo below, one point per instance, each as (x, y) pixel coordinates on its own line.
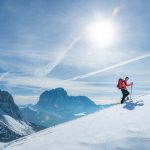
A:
(131, 83)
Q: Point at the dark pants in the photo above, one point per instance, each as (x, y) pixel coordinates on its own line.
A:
(125, 93)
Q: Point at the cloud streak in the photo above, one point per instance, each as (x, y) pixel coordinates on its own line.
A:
(110, 67)
(51, 66)
(3, 75)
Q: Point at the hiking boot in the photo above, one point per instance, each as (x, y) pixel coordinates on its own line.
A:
(122, 101)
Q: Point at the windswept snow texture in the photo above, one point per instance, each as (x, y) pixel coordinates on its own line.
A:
(120, 127)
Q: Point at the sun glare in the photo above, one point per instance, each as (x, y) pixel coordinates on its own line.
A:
(101, 33)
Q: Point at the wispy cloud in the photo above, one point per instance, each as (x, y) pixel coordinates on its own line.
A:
(3, 75)
(29, 60)
(50, 66)
(40, 84)
(110, 67)
(26, 99)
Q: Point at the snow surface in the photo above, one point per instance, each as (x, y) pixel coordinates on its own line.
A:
(1, 144)
(20, 128)
(80, 114)
(17, 126)
(120, 127)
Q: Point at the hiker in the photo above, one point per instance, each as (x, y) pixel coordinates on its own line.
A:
(122, 85)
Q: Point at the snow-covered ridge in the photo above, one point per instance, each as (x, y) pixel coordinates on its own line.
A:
(12, 123)
(120, 127)
(19, 127)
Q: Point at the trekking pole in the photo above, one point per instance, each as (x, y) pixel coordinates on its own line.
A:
(131, 93)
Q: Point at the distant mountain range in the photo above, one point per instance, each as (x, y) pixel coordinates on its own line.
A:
(55, 106)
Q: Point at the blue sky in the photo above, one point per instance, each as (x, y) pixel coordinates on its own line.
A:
(43, 45)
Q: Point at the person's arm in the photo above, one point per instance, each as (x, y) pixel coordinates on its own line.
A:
(129, 84)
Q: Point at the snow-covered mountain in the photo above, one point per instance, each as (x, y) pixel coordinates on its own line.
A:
(12, 123)
(55, 106)
(120, 127)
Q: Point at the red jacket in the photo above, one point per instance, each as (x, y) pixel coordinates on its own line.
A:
(125, 84)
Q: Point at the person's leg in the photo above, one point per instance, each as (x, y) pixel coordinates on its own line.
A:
(123, 95)
(127, 94)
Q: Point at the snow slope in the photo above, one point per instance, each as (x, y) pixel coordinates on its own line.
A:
(12, 123)
(120, 127)
(19, 127)
(11, 128)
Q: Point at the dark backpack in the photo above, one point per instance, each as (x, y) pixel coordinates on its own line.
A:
(120, 83)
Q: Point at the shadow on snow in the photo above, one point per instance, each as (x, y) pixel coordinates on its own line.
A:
(132, 105)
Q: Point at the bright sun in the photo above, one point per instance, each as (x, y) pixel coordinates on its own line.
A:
(101, 33)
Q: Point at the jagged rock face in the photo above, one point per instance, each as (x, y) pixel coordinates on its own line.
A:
(59, 98)
(12, 123)
(7, 135)
(8, 106)
(55, 96)
(55, 106)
